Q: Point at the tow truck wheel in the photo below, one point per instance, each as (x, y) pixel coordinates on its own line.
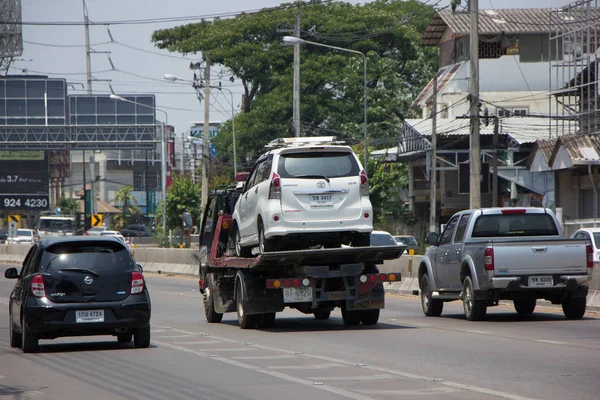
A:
(574, 307)
(351, 317)
(241, 251)
(370, 317)
(431, 307)
(209, 302)
(322, 315)
(246, 321)
(266, 321)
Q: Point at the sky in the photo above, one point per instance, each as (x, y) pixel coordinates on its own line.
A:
(139, 67)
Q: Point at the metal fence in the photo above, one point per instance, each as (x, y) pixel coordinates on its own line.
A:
(570, 227)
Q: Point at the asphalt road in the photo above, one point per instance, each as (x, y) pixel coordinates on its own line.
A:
(407, 355)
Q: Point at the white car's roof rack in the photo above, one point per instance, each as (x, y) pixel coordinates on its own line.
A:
(302, 141)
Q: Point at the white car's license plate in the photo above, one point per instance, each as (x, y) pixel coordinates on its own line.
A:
(297, 295)
(321, 199)
(89, 316)
(545, 280)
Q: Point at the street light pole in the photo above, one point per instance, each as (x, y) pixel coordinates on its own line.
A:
(163, 158)
(294, 40)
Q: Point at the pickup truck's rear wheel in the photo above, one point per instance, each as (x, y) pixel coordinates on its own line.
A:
(241, 251)
(525, 305)
(474, 309)
(351, 317)
(574, 307)
(246, 321)
(431, 307)
(209, 301)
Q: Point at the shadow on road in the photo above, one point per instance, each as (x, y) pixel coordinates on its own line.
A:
(514, 317)
(49, 347)
(309, 324)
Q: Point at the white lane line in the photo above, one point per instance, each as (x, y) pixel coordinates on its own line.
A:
(230, 349)
(409, 392)
(158, 330)
(2, 376)
(479, 332)
(330, 389)
(200, 342)
(352, 378)
(4, 300)
(263, 357)
(175, 337)
(314, 366)
(549, 341)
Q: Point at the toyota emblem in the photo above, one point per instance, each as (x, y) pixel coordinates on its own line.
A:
(321, 184)
(88, 280)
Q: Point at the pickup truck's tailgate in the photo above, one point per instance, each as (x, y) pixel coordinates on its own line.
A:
(539, 257)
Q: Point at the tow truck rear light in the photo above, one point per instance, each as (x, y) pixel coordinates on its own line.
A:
(514, 211)
(284, 282)
(275, 188)
(137, 282)
(364, 183)
(37, 286)
(488, 259)
(589, 250)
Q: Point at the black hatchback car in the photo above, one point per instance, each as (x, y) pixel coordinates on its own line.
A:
(77, 286)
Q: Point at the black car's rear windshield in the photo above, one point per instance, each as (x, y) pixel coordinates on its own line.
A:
(380, 239)
(509, 225)
(95, 256)
(332, 164)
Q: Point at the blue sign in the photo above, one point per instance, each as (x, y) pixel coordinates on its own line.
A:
(213, 150)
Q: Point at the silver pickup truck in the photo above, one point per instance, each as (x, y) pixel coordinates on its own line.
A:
(519, 254)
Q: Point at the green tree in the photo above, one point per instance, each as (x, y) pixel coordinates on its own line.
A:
(248, 45)
(183, 195)
(129, 206)
(68, 206)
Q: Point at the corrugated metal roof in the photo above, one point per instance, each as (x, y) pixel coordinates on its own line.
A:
(444, 75)
(508, 21)
(582, 149)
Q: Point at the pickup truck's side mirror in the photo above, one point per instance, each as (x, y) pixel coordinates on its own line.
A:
(432, 239)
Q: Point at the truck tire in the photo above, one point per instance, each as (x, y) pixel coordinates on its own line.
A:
(431, 307)
(474, 309)
(264, 245)
(209, 302)
(525, 305)
(574, 307)
(266, 321)
(370, 317)
(351, 317)
(322, 315)
(246, 321)
(29, 340)
(241, 251)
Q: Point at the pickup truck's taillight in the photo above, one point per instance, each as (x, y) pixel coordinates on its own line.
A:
(589, 250)
(488, 259)
(275, 188)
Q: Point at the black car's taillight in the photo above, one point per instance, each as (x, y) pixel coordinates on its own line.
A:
(137, 282)
(37, 286)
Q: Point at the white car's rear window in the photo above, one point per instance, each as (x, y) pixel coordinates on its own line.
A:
(317, 164)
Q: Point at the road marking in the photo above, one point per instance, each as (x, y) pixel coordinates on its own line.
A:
(159, 330)
(315, 366)
(413, 392)
(4, 300)
(280, 357)
(200, 342)
(479, 332)
(549, 341)
(353, 378)
(174, 337)
(230, 349)
(2, 376)
(330, 389)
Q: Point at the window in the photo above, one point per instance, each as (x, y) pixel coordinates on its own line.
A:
(36, 89)
(447, 235)
(461, 229)
(96, 256)
(317, 164)
(514, 225)
(510, 112)
(15, 88)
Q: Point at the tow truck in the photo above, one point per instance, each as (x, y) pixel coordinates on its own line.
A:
(312, 281)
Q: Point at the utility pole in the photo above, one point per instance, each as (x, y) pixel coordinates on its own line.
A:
(495, 164)
(433, 172)
(474, 159)
(296, 106)
(205, 149)
(88, 68)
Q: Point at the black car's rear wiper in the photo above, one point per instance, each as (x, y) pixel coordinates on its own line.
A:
(82, 270)
(311, 176)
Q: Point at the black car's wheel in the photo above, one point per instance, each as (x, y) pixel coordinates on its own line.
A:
(525, 305)
(241, 251)
(266, 321)
(125, 337)
(431, 307)
(264, 245)
(141, 337)
(574, 307)
(361, 240)
(209, 302)
(15, 338)
(370, 317)
(246, 321)
(29, 340)
(475, 310)
(351, 317)
(322, 315)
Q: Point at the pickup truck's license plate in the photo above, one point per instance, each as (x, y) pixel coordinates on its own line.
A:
(89, 316)
(545, 280)
(321, 199)
(297, 295)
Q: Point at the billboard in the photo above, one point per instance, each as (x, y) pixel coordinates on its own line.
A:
(24, 177)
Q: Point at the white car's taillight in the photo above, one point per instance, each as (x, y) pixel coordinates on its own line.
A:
(37, 286)
(137, 282)
(364, 183)
(275, 187)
